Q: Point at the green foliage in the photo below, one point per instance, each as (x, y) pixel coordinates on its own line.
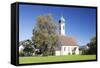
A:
(68, 53)
(28, 50)
(45, 35)
(92, 47)
(73, 53)
(85, 52)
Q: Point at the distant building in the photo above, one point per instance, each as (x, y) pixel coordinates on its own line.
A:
(84, 47)
(66, 45)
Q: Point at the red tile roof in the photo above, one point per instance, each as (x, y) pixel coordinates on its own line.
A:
(67, 41)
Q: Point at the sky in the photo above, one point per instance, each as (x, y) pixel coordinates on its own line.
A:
(79, 22)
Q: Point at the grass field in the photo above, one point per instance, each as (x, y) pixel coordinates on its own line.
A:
(37, 59)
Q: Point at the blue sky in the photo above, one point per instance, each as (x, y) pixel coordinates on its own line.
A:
(80, 22)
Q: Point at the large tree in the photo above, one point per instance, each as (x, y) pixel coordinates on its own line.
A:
(45, 35)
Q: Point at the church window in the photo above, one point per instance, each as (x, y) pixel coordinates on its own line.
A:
(64, 48)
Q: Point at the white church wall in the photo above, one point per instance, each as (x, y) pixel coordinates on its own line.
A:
(77, 51)
(58, 53)
(68, 50)
(64, 50)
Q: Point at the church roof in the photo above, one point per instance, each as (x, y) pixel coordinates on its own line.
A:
(67, 41)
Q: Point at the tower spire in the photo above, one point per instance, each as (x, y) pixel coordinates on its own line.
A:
(62, 19)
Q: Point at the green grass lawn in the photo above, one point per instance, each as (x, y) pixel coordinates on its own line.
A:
(37, 59)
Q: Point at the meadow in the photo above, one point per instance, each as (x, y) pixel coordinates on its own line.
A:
(43, 59)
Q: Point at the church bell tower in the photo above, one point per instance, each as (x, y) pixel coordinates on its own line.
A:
(62, 26)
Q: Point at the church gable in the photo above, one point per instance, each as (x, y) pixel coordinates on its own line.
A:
(67, 41)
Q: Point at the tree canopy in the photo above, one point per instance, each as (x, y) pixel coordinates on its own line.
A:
(45, 35)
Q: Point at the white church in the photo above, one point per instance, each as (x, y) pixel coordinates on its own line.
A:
(66, 45)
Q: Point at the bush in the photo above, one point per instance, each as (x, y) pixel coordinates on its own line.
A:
(68, 53)
(73, 53)
(85, 52)
(45, 53)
